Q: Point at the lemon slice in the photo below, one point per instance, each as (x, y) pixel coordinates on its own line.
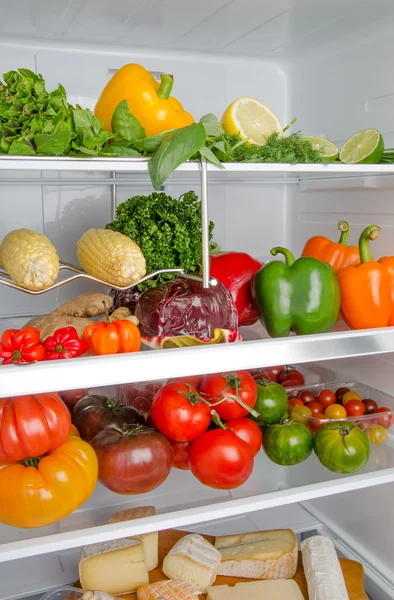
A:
(365, 147)
(324, 147)
(251, 119)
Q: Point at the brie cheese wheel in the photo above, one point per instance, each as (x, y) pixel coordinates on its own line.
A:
(193, 560)
(322, 569)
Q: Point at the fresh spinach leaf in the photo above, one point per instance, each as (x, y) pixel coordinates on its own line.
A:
(177, 148)
(21, 147)
(125, 124)
(55, 143)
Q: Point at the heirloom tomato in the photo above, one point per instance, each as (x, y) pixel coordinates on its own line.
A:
(288, 442)
(342, 447)
(271, 403)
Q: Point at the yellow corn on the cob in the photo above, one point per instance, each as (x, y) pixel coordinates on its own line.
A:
(30, 259)
(167, 590)
(111, 257)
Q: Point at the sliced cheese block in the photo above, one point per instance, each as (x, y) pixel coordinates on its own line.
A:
(193, 560)
(150, 541)
(167, 590)
(259, 555)
(278, 589)
(116, 567)
(322, 569)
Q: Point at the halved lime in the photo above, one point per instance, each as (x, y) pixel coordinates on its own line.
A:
(324, 147)
(364, 147)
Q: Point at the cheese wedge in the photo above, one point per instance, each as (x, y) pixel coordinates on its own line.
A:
(322, 569)
(279, 589)
(167, 590)
(193, 560)
(150, 541)
(259, 555)
(116, 567)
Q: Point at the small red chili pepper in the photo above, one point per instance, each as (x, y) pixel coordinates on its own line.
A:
(65, 343)
(21, 346)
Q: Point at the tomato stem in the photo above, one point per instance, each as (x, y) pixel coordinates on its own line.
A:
(233, 382)
(32, 461)
(216, 419)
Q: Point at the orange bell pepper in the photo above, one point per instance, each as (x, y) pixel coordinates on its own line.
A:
(366, 290)
(388, 262)
(337, 254)
(149, 101)
(112, 338)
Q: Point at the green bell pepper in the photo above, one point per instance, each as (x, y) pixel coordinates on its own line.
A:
(300, 295)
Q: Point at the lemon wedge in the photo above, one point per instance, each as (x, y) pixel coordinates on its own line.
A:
(251, 119)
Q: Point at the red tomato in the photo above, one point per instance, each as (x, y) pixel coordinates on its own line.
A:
(385, 420)
(180, 451)
(354, 408)
(220, 459)
(193, 380)
(248, 431)
(296, 402)
(32, 425)
(291, 374)
(265, 375)
(307, 397)
(326, 398)
(315, 425)
(339, 394)
(289, 383)
(222, 386)
(132, 460)
(370, 406)
(180, 412)
(315, 407)
(271, 373)
(71, 397)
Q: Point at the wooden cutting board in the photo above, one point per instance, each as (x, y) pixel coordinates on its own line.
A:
(352, 571)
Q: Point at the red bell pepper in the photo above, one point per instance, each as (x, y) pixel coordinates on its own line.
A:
(21, 346)
(65, 343)
(235, 271)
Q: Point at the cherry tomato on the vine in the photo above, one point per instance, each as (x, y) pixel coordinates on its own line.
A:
(354, 408)
(248, 431)
(326, 398)
(220, 459)
(180, 412)
(230, 391)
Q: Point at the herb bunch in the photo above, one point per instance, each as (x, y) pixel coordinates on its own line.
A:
(168, 231)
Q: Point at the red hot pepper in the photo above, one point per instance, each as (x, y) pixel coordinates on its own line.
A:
(235, 271)
(21, 346)
(65, 343)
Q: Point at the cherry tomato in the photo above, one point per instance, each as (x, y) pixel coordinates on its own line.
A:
(296, 402)
(180, 451)
(291, 374)
(316, 407)
(340, 393)
(226, 387)
(248, 431)
(316, 421)
(350, 396)
(220, 459)
(377, 434)
(301, 413)
(385, 420)
(326, 398)
(370, 406)
(354, 408)
(307, 397)
(289, 383)
(335, 411)
(180, 412)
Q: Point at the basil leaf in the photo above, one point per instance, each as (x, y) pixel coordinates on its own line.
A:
(209, 155)
(212, 125)
(113, 149)
(21, 147)
(53, 143)
(176, 149)
(149, 144)
(125, 124)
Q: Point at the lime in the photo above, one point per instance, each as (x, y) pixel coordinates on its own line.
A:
(364, 147)
(324, 147)
(251, 119)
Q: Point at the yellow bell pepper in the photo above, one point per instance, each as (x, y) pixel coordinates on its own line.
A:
(149, 101)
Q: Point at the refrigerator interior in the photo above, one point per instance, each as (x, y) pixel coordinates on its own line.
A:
(328, 64)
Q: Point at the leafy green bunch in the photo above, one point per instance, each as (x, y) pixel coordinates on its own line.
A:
(168, 231)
